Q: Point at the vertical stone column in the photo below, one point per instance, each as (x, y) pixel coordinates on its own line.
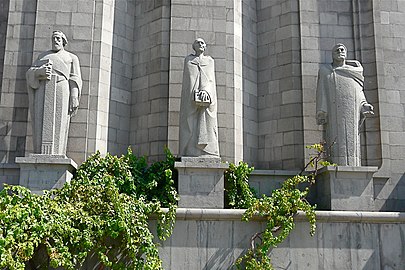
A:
(18, 56)
(100, 77)
(234, 79)
(280, 112)
(153, 50)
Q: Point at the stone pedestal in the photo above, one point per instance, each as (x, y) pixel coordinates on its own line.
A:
(43, 172)
(201, 182)
(345, 188)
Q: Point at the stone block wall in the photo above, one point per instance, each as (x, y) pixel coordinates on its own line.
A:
(365, 50)
(249, 83)
(150, 78)
(3, 32)
(119, 118)
(279, 85)
(18, 55)
(389, 26)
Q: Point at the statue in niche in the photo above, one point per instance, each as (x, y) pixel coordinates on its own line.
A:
(198, 108)
(342, 107)
(54, 84)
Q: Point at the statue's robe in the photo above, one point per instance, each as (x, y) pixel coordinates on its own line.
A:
(65, 76)
(198, 124)
(340, 95)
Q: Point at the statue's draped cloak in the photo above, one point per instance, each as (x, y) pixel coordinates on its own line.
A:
(66, 72)
(198, 124)
(340, 95)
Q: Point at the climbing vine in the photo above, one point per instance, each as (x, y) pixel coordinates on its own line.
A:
(238, 193)
(103, 211)
(279, 210)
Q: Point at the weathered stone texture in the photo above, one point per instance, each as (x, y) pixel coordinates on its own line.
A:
(4, 5)
(119, 120)
(18, 55)
(249, 83)
(390, 94)
(278, 79)
(150, 80)
(342, 241)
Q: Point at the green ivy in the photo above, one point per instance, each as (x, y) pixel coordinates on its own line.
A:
(238, 193)
(104, 210)
(279, 210)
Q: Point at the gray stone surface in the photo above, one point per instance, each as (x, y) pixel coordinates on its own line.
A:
(345, 188)
(265, 181)
(214, 239)
(40, 172)
(4, 6)
(201, 182)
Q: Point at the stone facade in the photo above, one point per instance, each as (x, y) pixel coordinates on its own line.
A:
(267, 55)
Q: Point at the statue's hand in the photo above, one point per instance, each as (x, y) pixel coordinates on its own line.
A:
(44, 72)
(74, 104)
(367, 109)
(321, 117)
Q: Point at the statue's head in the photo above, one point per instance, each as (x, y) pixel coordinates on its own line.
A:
(59, 40)
(339, 52)
(199, 45)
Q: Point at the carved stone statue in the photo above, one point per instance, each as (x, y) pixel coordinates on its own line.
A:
(54, 84)
(341, 106)
(198, 109)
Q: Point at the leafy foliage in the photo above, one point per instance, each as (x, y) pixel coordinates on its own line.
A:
(238, 193)
(109, 198)
(279, 210)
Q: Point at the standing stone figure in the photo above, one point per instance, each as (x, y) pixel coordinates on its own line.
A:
(198, 108)
(341, 106)
(54, 85)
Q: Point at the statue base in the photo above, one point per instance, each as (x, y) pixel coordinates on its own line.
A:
(40, 172)
(201, 182)
(345, 188)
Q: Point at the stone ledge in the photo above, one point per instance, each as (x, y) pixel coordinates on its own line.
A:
(363, 169)
(46, 159)
(321, 216)
(198, 162)
(274, 172)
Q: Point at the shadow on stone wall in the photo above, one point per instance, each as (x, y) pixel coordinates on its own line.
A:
(391, 192)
